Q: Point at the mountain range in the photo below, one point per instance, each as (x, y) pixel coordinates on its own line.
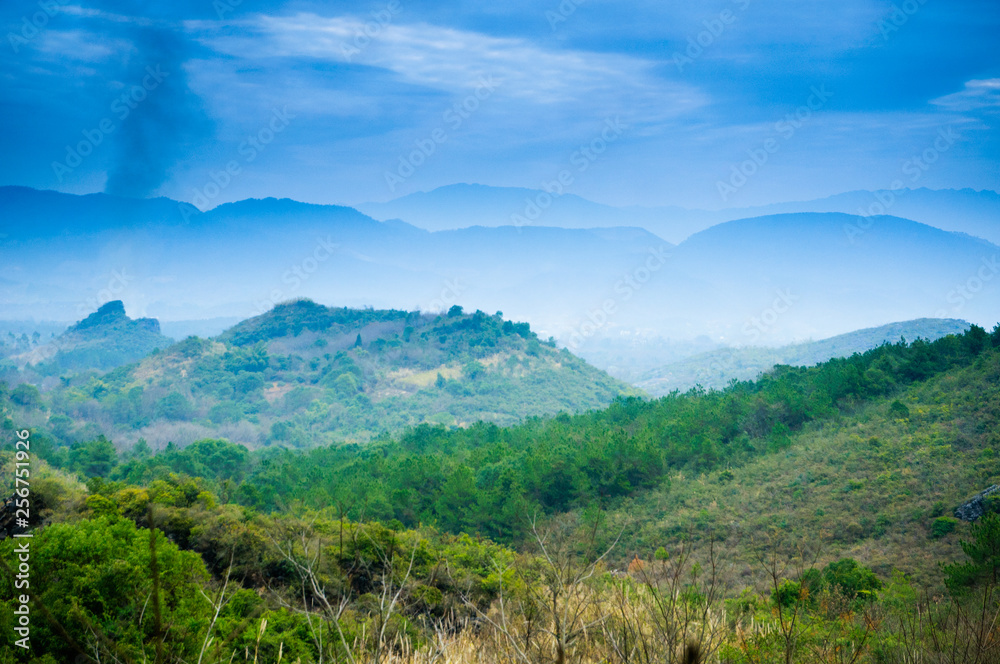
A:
(461, 205)
(715, 369)
(763, 281)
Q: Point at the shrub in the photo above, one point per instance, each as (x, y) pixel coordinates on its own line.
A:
(95, 458)
(943, 525)
(248, 382)
(852, 578)
(787, 593)
(898, 410)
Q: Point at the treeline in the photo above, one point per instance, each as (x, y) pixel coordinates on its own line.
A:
(292, 318)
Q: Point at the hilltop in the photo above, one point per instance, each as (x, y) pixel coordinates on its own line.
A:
(303, 374)
(104, 340)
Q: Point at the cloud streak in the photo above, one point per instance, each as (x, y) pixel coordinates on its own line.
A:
(978, 94)
(455, 61)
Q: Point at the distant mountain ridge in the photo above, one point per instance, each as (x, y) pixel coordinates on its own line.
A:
(715, 369)
(457, 206)
(763, 280)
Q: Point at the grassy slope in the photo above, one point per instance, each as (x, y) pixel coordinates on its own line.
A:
(866, 486)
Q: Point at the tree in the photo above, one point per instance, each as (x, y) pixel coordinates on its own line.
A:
(140, 451)
(248, 382)
(246, 359)
(357, 342)
(984, 554)
(346, 385)
(27, 396)
(97, 579)
(95, 458)
(174, 406)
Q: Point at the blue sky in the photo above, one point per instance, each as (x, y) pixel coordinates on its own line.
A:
(350, 102)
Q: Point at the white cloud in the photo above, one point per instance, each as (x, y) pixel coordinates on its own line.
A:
(978, 94)
(81, 46)
(456, 61)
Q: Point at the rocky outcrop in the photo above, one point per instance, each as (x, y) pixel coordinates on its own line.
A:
(109, 313)
(102, 341)
(975, 508)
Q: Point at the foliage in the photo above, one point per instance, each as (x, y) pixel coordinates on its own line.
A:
(388, 551)
(96, 576)
(983, 551)
(483, 478)
(943, 525)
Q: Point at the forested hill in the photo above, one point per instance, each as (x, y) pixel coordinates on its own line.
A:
(104, 340)
(304, 374)
(486, 478)
(821, 494)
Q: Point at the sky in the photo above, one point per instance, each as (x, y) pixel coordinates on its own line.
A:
(714, 104)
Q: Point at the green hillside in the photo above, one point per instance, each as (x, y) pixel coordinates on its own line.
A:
(879, 483)
(803, 517)
(485, 478)
(303, 374)
(715, 369)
